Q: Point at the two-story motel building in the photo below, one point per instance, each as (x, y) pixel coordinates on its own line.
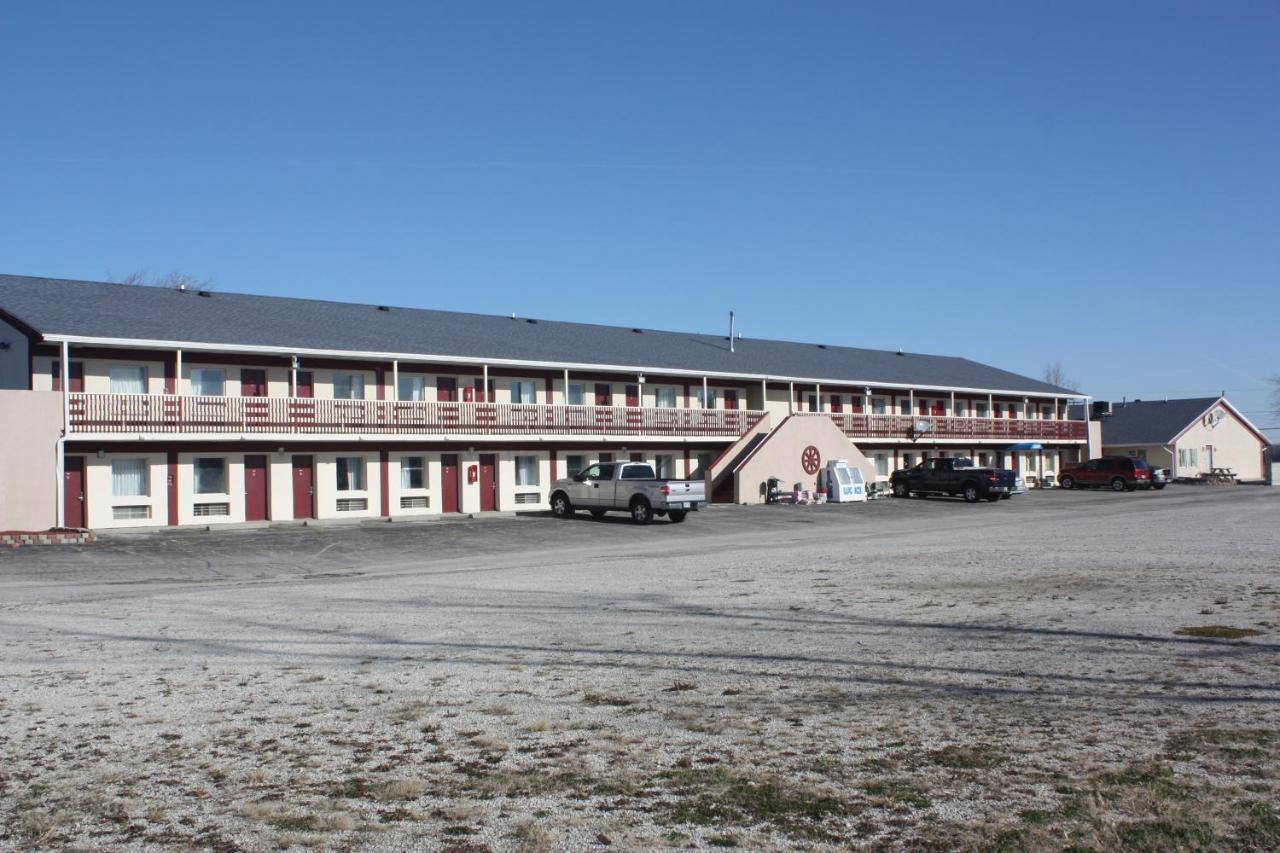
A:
(191, 407)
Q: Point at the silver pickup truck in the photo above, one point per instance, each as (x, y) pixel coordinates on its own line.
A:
(626, 487)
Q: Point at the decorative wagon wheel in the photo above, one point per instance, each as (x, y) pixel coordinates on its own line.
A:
(810, 459)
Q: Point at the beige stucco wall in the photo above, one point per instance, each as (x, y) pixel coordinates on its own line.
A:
(779, 456)
(30, 424)
(1233, 445)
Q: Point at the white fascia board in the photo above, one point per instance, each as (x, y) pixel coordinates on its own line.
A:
(515, 362)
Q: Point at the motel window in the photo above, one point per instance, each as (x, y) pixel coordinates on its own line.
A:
(410, 388)
(1194, 456)
(984, 460)
(980, 410)
(882, 465)
(908, 460)
(709, 400)
(208, 382)
(960, 409)
(1045, 413)
(576, 395)
(348, 386)
(526, 470)
(813, 403)
(523, 392)
(350, 473)
(210, 476)
(128, 379)
(574, 464)
(904, 406)
(879, 406)
(128, 478)
(664, 397)
(666, 465)
(413, 472)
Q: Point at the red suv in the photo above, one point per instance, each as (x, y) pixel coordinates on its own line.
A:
(1119, 473)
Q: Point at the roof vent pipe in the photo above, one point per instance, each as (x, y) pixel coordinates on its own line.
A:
(730, 331)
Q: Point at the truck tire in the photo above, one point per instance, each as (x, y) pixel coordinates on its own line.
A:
(996, 498)
(677, 515)
(641, 512)
(1118, 484)
(972, 494)
(1066, 481)
(900, 490)
(560, 505)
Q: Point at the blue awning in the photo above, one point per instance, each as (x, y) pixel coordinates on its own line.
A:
(1026, 445)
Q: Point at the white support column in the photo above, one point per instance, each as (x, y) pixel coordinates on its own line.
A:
(764, 394)
(395, 380)
(485, 384)
(293, 377)
(911, 402)
(951, 412)
(566, 387)
(991, 405)
(791, 398)
(177, 373)
(60, 512)
(817, 388)
(866, 400)
(704, 392)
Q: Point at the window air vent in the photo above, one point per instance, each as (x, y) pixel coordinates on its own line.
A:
(130, 513)
(211, 510)
(415, 502)
(528, 497)
(353, 504)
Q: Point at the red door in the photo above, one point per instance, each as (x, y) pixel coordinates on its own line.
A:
(255, 488)
(306, 387)
(488, 482)
(304, 487)
(604, 395)
(837, 403)
(449, 483)
(74, 505)
(253, 382)
(447, 392)
(730, 399)
(633, 396)
(75, 377)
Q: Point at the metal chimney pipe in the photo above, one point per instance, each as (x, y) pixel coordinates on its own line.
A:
(730, 331)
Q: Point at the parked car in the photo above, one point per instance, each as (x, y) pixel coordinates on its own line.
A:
(953, 475)
(1118, 473)
(1160, 477)
(630, 487)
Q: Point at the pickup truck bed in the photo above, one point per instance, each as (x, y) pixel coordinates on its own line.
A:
(630, 487)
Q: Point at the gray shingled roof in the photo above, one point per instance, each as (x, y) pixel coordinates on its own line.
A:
(1151, 421)
(98, 309)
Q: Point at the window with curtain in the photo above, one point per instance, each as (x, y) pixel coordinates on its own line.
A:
(128, 379)
(409, 388)
(128, 478)
(664, 397)
(882, 465)
(707, 402)
(574, 464)
(526, 470)
(210, 476)
(348, 386)
(980, 410)
(350, 471)
(208, 382)
(577, 395)
(413, 472)
(904, 406)
(878, 406)
(522, 392)
(666, 466)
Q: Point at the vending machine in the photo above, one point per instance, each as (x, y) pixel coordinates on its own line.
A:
(844, 483)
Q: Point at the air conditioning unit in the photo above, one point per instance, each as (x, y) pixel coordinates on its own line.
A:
(1100, 409)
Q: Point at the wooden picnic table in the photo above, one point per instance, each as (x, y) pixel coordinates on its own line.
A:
(1221, 476)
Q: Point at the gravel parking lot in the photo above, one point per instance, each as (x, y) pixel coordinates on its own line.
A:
(1064, 668)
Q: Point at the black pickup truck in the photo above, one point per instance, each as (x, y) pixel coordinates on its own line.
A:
(955, 475)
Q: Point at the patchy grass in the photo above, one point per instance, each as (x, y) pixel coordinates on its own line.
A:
(896, 792)
(722, 797)
(1217, 632)
(608, 700)
(966, 757)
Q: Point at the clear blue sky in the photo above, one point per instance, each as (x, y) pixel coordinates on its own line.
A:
(1020, 182)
